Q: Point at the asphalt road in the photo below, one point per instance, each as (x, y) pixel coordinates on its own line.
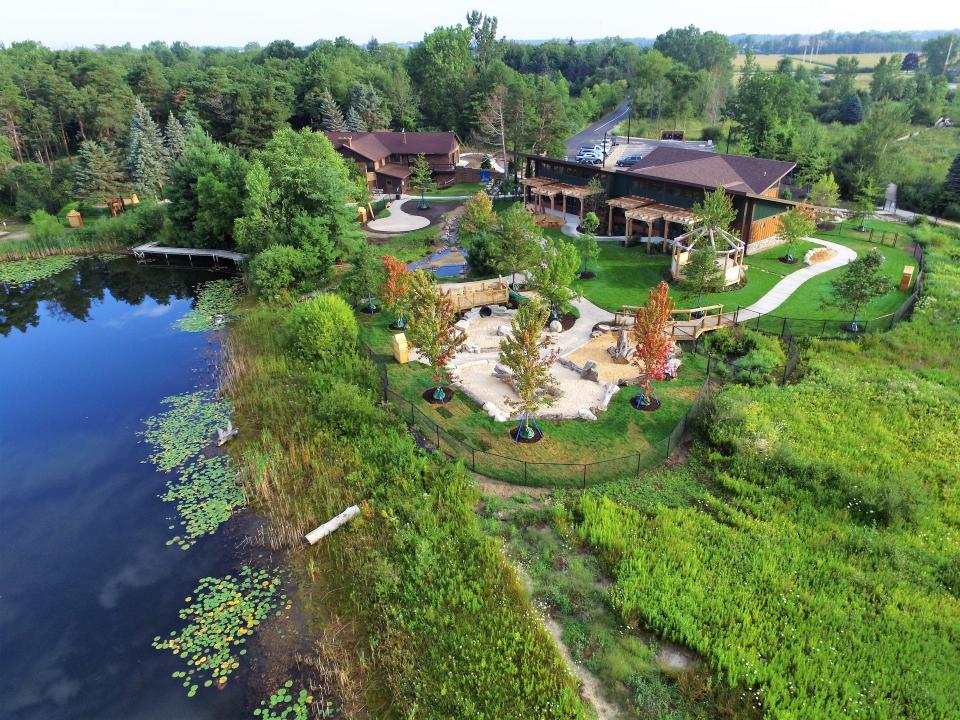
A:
(593, 133)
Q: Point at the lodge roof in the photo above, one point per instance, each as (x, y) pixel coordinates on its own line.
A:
(736, 173)
(394, 170)
(381, 143)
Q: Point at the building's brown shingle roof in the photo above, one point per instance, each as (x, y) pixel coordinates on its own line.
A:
(378, 145)
(394, 170)
(735, 173)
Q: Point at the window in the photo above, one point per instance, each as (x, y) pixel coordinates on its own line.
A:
(371, 166)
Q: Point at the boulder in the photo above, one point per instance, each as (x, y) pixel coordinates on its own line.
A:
(489, 407)
(471, 348)
(503, 330)
(590, 371)
(597, 333)
(555, 326)
(609, 390)
(502, 371)
(462, 324)
(585, 414)
(499, 311)
(501, 417)
(554, 390)
(603, 327)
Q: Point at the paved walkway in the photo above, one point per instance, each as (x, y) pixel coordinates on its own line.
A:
(398, 221)
(778, 294)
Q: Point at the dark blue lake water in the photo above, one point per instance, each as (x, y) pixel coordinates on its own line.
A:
(86, 579)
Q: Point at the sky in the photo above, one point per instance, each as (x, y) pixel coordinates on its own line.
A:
(68, 23)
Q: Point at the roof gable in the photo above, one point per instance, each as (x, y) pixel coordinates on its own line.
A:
(378, 145)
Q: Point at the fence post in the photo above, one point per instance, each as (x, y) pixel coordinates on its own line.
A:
(638, 464)
(584, 477)
(783, 328)
(413, 418)
(823, 330)
(525, 471)
(473, 456)
(438, 437)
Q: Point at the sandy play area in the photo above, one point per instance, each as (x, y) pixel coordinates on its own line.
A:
(596, 350)
(477, 379)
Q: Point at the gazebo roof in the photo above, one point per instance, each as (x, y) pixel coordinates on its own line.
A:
(724, 241)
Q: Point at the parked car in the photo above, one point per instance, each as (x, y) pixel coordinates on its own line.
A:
(590, 158)
(628, 160)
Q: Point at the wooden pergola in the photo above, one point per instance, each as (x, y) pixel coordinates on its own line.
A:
(541, 187)
(581, 193)
(650, 213)
(627, 202)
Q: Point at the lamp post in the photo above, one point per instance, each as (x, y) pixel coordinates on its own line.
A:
(605, 149)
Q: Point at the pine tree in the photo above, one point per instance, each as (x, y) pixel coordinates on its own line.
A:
(97, 176)
(851, 112)
(353, 121)
(174, 137)
(953, 176)
(421, 178)
(147, 158)
(330, 115)
(190, 121)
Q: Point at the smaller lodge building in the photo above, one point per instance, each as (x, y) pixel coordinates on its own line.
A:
(654, 198)
(387, 156)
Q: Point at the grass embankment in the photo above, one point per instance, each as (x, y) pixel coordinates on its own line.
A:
(812, 549)
(411, 246)
(621, 432)
(140, 224)
(458, 189)
(441, 627)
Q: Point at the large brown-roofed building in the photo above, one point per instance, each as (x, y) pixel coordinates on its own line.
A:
(386, 156)
(670, 180)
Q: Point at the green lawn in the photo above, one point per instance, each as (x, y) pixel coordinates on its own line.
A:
(625, 275)
(410, 246)
(458, 189)
(620, 433)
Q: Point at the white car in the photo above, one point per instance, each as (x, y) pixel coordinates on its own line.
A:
(590, 158)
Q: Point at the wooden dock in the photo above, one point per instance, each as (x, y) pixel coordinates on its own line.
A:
(142, 251)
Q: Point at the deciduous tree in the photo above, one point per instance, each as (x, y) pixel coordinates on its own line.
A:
(862, 280)
(797, 223)
(553, 276)
(586, 242)
(365, 276)
(702, 273)
(432, 327)
(421, 178)
(526, 351)
(395, 290)
(518, 245)
(653, 344)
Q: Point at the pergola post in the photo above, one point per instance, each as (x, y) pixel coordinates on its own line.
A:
(609, 220)
(666, 234)
(564, 206)
(552, 201)
(649, 234)
(629, 233)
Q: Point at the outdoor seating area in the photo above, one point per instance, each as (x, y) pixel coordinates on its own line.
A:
(541, 187)
(657, 217)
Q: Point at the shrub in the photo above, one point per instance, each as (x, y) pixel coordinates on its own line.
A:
(761, 361)
(712, 132)
(44, 227)
(322, 327)
(281, 270)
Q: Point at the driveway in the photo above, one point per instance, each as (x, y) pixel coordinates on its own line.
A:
(593, 133)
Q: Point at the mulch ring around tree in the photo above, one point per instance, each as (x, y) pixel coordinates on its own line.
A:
(536, 437)
(587, 275)
(788, 260)
(428, 395)
(653, 405)
(370, 310)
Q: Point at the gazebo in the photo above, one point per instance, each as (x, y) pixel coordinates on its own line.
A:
(651, 213)
(730, 252)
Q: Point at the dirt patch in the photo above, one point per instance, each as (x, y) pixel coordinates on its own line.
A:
(433, 212)
(506, 491)
(819, 255)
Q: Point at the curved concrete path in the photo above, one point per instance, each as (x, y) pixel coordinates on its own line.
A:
(398, 221)
(778, 294)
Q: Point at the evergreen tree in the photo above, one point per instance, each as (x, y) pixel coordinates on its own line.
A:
(147, 157)
(702, 273)
(96, 175)
(174, 137)
(330, 115)
(851, 111)
(953, 176)
(353, 121)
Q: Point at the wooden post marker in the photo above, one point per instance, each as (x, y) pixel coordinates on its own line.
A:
(907, 277)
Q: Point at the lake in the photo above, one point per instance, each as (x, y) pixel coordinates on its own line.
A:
(86, 577)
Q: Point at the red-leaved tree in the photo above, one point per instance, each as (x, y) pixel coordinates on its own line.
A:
(652, 342)
(395, 291)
